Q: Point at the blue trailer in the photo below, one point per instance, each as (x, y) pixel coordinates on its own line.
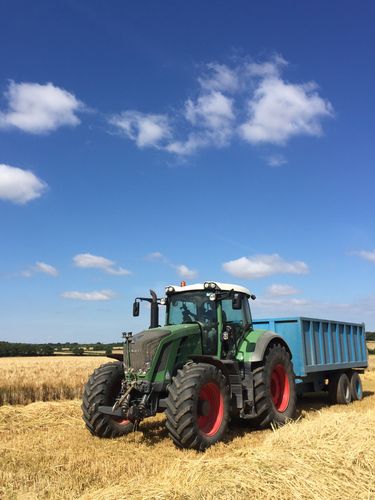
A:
(321, 351)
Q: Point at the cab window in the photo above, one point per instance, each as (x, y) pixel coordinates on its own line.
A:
(239, 317)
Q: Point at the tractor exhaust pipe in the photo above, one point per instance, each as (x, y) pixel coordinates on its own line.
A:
(154, 321)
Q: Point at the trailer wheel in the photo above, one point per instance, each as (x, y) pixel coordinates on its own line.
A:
(339, 390)
(274, 388)
(102, 389)
(356, 386)
(197, 406)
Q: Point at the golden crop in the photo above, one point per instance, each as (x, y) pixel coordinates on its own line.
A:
(25, 380)
(329, 453)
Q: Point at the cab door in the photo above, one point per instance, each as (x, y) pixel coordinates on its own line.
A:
(235, 322)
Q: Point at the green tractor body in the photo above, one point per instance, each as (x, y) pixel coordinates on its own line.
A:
(205, 366)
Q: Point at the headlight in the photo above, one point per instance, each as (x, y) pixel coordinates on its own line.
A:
(169, 289)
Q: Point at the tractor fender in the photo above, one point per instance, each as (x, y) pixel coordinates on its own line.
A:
(263, 342)
(211, 360)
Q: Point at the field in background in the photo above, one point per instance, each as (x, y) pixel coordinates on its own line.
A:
(24, 380)
(47, 453)
(87, 351)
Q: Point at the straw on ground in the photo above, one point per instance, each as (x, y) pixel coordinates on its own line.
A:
(330, 453)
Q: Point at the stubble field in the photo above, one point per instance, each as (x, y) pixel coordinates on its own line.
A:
(46, 452)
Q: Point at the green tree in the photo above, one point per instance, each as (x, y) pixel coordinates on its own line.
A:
(77, 351)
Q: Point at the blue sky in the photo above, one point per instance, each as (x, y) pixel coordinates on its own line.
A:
(142, 143)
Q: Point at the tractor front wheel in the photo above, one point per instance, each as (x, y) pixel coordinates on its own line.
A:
(102, 389)
(197, 406)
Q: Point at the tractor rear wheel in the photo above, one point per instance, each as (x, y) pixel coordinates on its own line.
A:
(102, 389)
(274, 388)
(197, 406)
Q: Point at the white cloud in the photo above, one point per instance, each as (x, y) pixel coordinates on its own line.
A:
(280, 110)
(41, 267)
(212, 111)
(19, 186)
(194, 142)
(286, 307)
(219, 77)
(158, 257)
(260, 266)
(276, 111)
(211, 116)
(299, 302)
(282, 290)
(87, 260)
(185, 272)
(366, 254)
(145, 130)
(181, 269)
(266, 69)
(89, 296)
(154, 256)
(37, 109)
(276, 160)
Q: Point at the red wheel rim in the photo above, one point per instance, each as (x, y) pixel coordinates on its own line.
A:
(212, 402)
(280, 388)
(122, 421)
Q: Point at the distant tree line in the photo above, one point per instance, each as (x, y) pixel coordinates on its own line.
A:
(17, 349)
(9, 349)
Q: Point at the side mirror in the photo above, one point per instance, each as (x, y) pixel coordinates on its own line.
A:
(237, 301)
(136, 308)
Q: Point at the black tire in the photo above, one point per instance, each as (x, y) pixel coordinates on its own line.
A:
(356, 386)
(274, 406)
(197, 406)
(339, 391)
(102, 389)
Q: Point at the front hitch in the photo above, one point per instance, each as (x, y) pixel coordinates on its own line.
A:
(133, 404)
(108, 410)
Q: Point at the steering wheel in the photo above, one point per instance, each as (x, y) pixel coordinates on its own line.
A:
(187, 316)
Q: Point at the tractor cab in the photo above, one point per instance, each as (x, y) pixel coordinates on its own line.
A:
(221, 310)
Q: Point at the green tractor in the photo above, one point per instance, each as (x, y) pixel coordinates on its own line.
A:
(204, 367)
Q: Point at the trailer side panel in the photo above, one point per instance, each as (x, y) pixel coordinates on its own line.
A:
(319, 345)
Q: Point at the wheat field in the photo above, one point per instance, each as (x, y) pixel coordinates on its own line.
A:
(25, 380)
(329, 452)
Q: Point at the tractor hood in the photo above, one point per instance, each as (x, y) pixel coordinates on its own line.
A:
(143, 347)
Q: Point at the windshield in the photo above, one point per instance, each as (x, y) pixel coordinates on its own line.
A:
(187, 307)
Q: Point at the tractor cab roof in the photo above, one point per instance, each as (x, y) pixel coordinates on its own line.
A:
(208, 286)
